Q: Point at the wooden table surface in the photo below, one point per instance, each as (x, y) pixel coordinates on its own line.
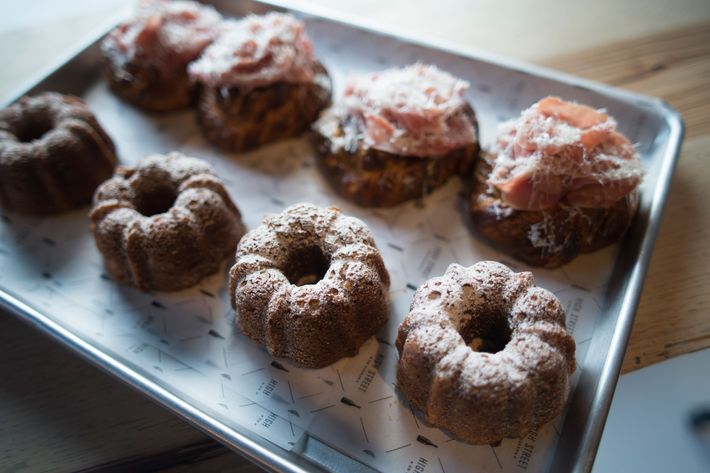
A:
(57, 413)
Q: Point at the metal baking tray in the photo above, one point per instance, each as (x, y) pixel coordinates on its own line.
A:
(182, 351)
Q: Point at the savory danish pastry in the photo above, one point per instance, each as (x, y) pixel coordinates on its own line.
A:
(397, 135)
(259, 82)
(560, 180)
(147, 56)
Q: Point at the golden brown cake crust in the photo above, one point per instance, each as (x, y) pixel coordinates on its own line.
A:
(484, 353)
(165, 224)
(149, 87)
(548, 238)
(374, 178)
(53, 154)
(237, 120)
(314, 323)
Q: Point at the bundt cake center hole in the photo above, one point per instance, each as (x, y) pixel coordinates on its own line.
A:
(486, 333)
(34, 129)
(306, 265)
(156, 200)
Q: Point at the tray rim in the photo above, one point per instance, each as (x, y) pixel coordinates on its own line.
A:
(581, 459)
(255, 451)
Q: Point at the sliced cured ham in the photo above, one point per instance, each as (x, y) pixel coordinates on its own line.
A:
(258, 51)
(259, 82)
(416, 111)
(396, 135)
(146, 57)
(560, 151)
(170, 33)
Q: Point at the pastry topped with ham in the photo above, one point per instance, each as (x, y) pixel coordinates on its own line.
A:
(397, 134)
(559, 181)
(562, 151)
(260, 81)
(258, 51)
(167, 31)
(415, 111)
(147, 56)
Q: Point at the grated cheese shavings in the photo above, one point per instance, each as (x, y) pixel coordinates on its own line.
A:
(257, 50)
(165, 32)
(415, 111)
(561, 151)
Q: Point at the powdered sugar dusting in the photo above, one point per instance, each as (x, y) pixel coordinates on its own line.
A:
(306, 225)
(508, 381)
(351, 296)
(122, 190)
(463, 292)
(164, 224)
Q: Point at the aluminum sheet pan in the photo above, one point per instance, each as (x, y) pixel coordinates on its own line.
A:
(182, 349)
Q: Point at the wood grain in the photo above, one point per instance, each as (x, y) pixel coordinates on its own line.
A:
(674, 313)
(60, 414)
(674, 66)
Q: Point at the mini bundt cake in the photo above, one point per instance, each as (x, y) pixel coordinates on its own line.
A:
(164, 224)
(560, 181)
(396, 135)
(310, 284)
(484, 353)
(53, 154)
(146, 57)
(259, 82)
